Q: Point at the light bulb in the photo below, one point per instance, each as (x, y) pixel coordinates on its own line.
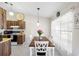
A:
(38, 24)
(11, 13)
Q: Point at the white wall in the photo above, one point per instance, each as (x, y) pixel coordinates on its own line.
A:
(31, 26)
(9, 17)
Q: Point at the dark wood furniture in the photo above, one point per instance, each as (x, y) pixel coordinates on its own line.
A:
(32, 44)
(5, 47)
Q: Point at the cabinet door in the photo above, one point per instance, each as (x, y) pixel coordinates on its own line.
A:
(6, 48)
(20, 39)
(8, 24)
(0, 49)
(23, 38)
(1, 10)
(1, 17)
(4, 18)
(1, 23)
(21, 24)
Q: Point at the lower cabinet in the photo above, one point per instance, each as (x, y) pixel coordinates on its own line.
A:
(20, 39)
(5, 48)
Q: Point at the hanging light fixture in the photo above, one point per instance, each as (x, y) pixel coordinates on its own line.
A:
(38, 24)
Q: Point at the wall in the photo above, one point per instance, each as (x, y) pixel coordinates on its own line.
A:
(15, 17)
(31, 26)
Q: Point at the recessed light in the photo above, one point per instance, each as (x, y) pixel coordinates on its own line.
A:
(6, 2)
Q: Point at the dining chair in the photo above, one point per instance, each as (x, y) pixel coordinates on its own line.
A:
(41, 48)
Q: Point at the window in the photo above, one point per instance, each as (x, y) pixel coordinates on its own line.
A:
(61, 30)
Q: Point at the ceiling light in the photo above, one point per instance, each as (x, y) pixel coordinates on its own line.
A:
(11, 13)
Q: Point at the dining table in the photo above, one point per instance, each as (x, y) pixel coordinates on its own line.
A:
(51, 45)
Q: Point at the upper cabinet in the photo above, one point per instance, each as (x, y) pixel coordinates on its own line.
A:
(16, 20)
(2, 18)
(19, 23)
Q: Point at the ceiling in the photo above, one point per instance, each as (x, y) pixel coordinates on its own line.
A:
(47, 9)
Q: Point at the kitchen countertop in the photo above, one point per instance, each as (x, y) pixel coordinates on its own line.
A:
(5, 39)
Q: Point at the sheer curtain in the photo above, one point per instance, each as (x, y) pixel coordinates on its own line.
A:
(61, 30)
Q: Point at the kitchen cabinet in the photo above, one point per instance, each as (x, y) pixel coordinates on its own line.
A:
(20, 39)
(5, 47)
(19, 23)
(3, 17)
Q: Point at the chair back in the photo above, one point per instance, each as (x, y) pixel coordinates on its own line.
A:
(41, 47)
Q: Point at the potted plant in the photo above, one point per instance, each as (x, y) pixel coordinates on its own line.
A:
(39, 33)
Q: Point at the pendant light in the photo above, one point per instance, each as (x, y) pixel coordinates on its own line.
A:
(38, 24)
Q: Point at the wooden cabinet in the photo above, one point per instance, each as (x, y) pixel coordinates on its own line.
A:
(8, 24)
(1, 10)
(0, 49)
(19, 23)
(3, 17)
(5, 48)
(20, 39)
